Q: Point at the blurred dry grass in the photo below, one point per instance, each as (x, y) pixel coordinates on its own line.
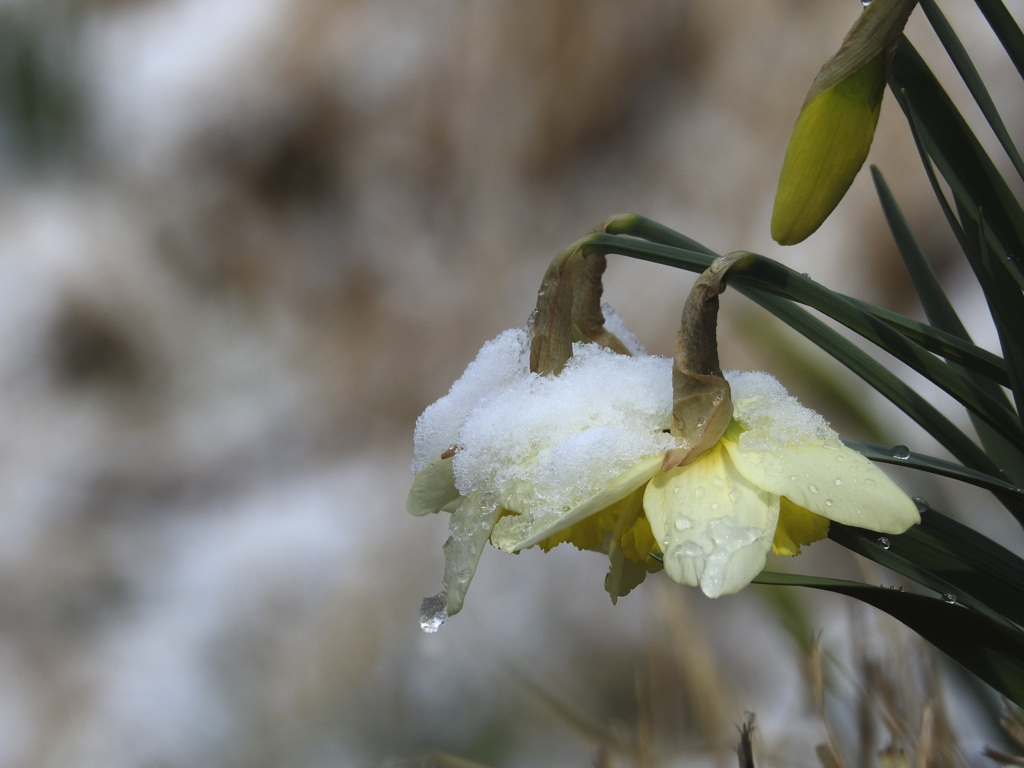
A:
(243, 243)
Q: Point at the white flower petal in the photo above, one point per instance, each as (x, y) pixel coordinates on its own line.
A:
(826, 477)
(515, 532)
(714, 527)
(433, 489)
(468, 530)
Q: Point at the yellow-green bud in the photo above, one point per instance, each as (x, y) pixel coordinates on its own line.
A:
(833, 132)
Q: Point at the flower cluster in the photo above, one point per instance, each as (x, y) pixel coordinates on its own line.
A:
(595, 456)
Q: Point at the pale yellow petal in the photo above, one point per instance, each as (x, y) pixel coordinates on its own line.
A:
(515, 532)
(829, 479)
(433, 489)
(627, 565)
(714, 527)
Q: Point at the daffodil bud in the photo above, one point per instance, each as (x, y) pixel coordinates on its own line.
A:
(833, 132)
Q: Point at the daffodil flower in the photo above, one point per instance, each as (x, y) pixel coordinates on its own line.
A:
(657, 463)
(539, 462)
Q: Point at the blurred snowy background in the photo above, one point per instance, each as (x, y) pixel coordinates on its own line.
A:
(243, 243)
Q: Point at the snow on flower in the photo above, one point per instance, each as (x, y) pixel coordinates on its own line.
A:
(523, 459)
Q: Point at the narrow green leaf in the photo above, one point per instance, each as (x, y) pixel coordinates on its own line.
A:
(1005, 301)
(936, 304)
(957, 154)
(648, 229)
(787, 283)
(991, 223)
(970, 244)
(962, 61)
(1006, 29)
(766, 274)
(941, 314)
(991, 650)
(937, 466)
(950, 558)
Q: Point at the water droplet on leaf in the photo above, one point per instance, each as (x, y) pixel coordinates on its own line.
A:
(900, 452)
(883, 542)
(949, 598)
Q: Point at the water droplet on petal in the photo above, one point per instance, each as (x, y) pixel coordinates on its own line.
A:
(838, 481)
(812, 488)
(900, 452)
(690, 549)
(949, 598)
(701, 421)
(829, 502)
(883, 542)
(922, 504)
(717, 482)
(682, 523)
